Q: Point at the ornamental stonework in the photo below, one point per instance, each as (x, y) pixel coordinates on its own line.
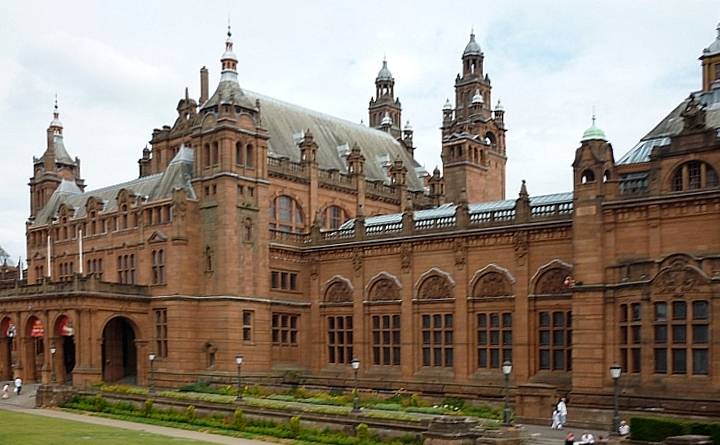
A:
(553, 282)
(492, 284)
(338, 292)
(384, 289)
(435, 287)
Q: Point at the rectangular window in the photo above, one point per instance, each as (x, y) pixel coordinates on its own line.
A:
(158, 266)
(494, 339)
(286, 281)
(437, 340)
(284, 329)
(340, 338)
(555, 341)
(386, 340)
(161, 337)
(247, 325)
(661, 361)
(126, 269)
(679, 361)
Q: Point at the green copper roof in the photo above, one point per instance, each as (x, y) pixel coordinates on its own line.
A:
(593, 133)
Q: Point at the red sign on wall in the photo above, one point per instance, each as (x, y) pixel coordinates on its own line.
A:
(38, 330)
(65, 327)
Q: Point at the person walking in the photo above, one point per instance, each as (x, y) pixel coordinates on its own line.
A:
(5, 389)
(18, 385)
(562, 411)
(555, 419)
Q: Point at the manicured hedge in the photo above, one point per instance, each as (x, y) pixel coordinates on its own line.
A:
(656, 429)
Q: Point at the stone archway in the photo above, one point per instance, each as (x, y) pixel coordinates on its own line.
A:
(34, 349)
(8, 334)
(119, 353)
(64, 342)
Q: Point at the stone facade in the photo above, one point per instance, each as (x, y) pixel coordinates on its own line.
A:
(301, 241)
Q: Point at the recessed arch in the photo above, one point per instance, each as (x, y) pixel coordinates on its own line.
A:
(383, 287)
(119, 351)
(491, 281)
(337, 289)
(8, 332)
(35, 348)
(551, 277)
(587, 176)
(63, 334)
(434, 284)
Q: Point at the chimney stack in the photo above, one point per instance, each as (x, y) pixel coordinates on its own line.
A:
(203, 85)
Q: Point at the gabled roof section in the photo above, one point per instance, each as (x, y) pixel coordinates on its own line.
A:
(672, 125)
(284, 120)
(154, 187)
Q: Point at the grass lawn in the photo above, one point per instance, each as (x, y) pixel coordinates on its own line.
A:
(27, 429)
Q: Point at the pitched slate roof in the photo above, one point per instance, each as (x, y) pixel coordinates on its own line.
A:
(154, 187)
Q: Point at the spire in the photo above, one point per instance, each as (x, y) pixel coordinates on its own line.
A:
(384, 73)
(55, 124)
(523, 191)
(472, 48)
(229, 60)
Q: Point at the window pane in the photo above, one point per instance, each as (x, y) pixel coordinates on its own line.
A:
(679, 310)
(623, 313)
(494, 321)
(636, 334)
(482, 320)
(635, 360)
(700, 361)
(494, 358)
(661, 361)
(635, 311)
(482, 337)
(558, 319)
(544, 338)
(448, 320)
(482, 358)
(426, 321)
(558, 359)
(700, 333)
(660, 311)
(494, 337)
(426, 356)
(661, 334)
(507, 320)
(679, 361)
(700, 310)
(507, 338)
(558, 338)
(545, 359)
(544, 319)
(678, 334)
(623, 335)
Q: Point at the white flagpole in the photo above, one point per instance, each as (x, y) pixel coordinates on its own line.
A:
(49, 262)
(80, 249)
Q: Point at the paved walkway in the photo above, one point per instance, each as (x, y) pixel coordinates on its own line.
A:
(545, 435)
(26, 399)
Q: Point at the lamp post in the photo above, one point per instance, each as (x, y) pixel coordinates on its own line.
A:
(615, 371)
(151, 386)
(355, 363)
(239, 362)
(506, 369)
(53, 350)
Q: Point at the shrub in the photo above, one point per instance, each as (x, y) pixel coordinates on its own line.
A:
(654, 429)
(362, 432)
(99, 403)
(190, 413)
(294, 426)
(239, 422)
(148, 408)
(123, 389)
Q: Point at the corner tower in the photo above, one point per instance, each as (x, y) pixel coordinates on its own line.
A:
(53, 167)
(385, 109)
(473, 135)
(710, 60)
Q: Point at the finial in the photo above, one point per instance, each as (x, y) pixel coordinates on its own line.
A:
(523, 190)
(229, 34)
(594, 116)
(187, 96)
(472, 32)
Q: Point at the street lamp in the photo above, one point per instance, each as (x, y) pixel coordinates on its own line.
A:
(615, 371)
(355, 363)
(151, 389)
(53, 350)
(506, 369)
(238, 362)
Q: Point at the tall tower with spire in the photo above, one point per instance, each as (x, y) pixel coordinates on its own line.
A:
(473, 135)
(385, 110)
(53, 167)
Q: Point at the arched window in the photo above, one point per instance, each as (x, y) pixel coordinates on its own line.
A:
(248, 229)
(333, 217)
(286, 215)
(206, 155)
(238, 153)
(587, 176)
(694, 175)
(215, 153)
(249, 156)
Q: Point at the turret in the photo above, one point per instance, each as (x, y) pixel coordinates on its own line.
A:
(385, 110)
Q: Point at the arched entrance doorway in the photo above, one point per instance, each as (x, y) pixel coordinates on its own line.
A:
(35, 349)
(65, 345)
(119, 354)
(7, 348)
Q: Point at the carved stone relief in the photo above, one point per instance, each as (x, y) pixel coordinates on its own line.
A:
(435, 287)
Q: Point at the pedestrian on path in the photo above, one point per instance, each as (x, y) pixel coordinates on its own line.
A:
(18, 385)
(5, 389)
(562, 409)
(556, 419)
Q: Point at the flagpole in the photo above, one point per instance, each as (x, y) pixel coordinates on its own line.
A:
(80, 249)
(49, 262)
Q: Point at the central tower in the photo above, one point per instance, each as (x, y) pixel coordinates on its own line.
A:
(473, 135)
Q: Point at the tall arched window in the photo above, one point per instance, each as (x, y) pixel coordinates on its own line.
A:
(215, 153)
(249, 156)
(158, 266)
(286, 215)
(694, 175)
(206, 155)
(333, 217)
(238, 153)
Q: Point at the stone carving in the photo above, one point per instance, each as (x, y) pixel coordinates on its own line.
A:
(338, 292)
(459, 250)
(435, 287)
(520, 245)
(492, 284)
(314, 266)
(693, 115)
(384, 289)
(676, 280)
(357, 261)
(553, 282)
(405, 256)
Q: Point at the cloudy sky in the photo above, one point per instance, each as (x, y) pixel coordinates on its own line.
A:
(120, 68)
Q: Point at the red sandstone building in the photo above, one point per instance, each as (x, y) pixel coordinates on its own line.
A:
(300, 241)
